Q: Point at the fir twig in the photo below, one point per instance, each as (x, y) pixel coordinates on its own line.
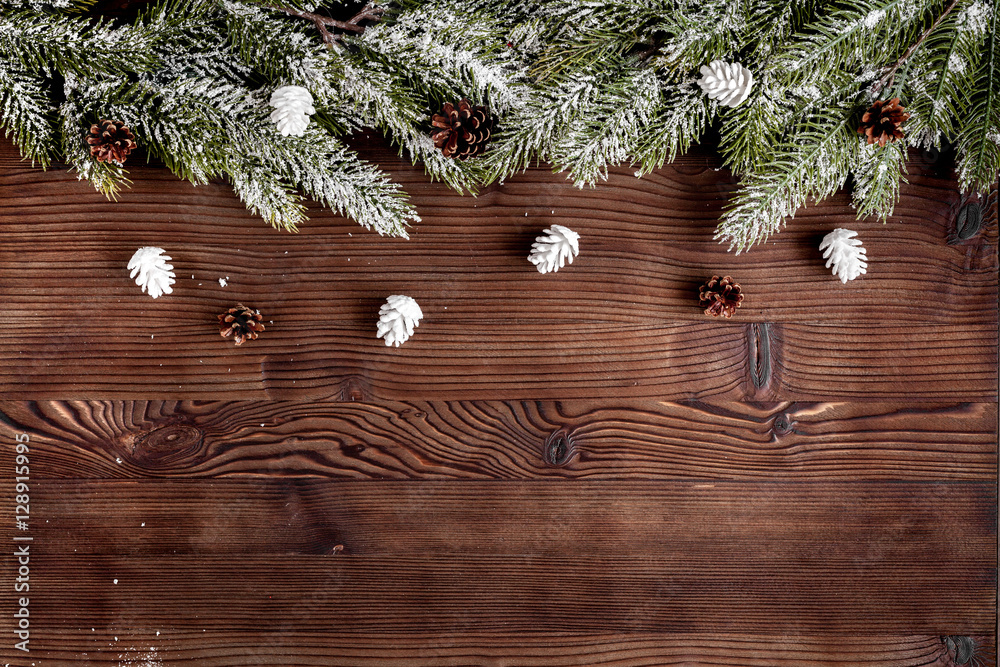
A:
(368, 12)
(886, 80)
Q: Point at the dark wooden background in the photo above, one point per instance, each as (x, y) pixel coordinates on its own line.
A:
(568, 469)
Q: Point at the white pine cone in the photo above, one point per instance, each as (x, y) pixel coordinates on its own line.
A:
(845, 253)
(292, 108)
(151, 271)
(728, 83)
(555, 248)
(398, 316)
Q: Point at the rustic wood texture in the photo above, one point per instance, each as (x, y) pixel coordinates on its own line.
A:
(609, 439)
(428, 532)
(141, 646)
(623, 318)
(560, 470)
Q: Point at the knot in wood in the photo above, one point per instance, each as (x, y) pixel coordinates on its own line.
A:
(168, 446)
(354, 388)
(558, 448)
(782, 424)
(352, 449)
(969, 221)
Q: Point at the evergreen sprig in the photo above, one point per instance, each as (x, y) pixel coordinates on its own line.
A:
(581, 84)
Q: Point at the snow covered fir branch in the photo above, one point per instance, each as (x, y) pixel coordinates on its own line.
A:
(805, 97)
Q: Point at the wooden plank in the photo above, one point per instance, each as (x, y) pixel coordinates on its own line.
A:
(890, 362)
(449, 361)
(696, 528)
(582, 593)
(75, 325)
(647, 245)
(574, 439)
(143, 646)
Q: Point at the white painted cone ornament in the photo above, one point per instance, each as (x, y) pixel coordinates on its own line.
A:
(151, 272)
(729, 83)
(556, 247)
(845, 254)
(292, 107)
(398, 317)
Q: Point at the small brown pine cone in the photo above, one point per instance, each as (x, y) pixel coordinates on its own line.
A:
(721, 296)
(110, 141)
(881, 122)
(242, 323)
(463, 130)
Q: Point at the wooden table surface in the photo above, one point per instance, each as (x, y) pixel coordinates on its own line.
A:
(568, 469)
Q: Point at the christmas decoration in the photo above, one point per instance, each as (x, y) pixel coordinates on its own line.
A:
(151, 272)
(607, 95)
(845, 254)
(398, 316)
(463, 130)
(110, 140)
(191, 79)
(581, 85)
(880, 124)
(729, 83)
(720, 296)
(556, 247)
(241, 323)
(292, 107)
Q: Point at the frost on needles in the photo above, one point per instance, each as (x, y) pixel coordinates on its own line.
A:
(580, 84)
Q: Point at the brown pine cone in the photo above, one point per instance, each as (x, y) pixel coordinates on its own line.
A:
(881, 122)
(463, 130)
(242, 323)
(721, 296)
(110, 141)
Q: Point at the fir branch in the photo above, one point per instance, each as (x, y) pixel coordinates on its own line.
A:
(698, 33)
(533, 131)
(979, 140)
(684, 115)
(282, 51)
(752, 129)
(609, 133)
(885, 81)
(106, 177)
(27, 113)
(443, 55)
(815, 166)
(44, 43)
(851, 38)
(936, 86)
(369, 12)
(877, 176)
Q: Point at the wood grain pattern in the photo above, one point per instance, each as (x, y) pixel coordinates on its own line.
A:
(435, 440)
(494, 327)
(831, 531)
(557, 470)
(144, 646)
(448, 361)
(515, 593)
(605, 553)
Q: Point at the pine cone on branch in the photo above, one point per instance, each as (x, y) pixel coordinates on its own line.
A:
(242, 323)
(110, 141)
(881, 122)
(721, 296)
(463, 130)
